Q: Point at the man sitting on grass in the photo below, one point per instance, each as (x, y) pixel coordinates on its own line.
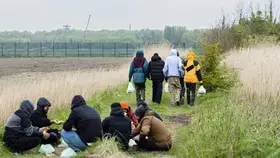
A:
(87, 122)
(40, 119)
(20, 135)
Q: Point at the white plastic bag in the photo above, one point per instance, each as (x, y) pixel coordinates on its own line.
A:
(46, 149)
(201, 91)
(166, 88)
(130, 88)
(131, 143)
(63, 144)
(68, 153)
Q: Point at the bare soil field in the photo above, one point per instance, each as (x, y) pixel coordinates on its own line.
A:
(12, 66)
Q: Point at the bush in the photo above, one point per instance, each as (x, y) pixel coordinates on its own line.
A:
(215, 75)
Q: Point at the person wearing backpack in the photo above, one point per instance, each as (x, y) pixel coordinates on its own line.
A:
(139, 71)
(192, 76)
(182, 83)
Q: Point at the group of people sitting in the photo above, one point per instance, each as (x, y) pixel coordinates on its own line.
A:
(28, 128)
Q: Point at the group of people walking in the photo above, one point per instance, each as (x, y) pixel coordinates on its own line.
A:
(182, 75)
(28, 128)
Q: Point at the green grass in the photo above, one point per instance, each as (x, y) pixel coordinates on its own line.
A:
(222, 125)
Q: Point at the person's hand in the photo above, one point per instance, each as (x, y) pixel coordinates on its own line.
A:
(132, 126)
(44, 129)
(46, 135)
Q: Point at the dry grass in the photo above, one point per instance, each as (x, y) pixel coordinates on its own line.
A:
(258, 67)
(60, 87)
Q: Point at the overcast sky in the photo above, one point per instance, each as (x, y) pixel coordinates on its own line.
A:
(33, 15)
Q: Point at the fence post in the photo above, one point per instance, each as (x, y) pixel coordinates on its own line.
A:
(90, 49)
(53, 49)
(41, 49)
(15, 51)
(2, 49)
(115, 51)
(126, 49)
(78, 49)
(27, 49)
(184, 45)
(102, 47)
(65, 45)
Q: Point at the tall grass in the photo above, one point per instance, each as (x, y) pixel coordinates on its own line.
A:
(242, 123)
(60, 87)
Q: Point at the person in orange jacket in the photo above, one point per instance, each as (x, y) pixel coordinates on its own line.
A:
(129, 112)
(192, 76)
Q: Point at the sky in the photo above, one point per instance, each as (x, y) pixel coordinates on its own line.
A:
(35, 15)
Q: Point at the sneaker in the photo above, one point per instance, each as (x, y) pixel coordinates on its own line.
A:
(178, 103)
(182, 101)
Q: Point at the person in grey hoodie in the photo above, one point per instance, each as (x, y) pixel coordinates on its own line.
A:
(20, 135)
(173, 71)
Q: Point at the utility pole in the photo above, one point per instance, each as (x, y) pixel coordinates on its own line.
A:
(129, 27)
(87, 26)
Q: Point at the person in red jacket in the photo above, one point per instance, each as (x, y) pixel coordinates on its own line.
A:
(129, 112)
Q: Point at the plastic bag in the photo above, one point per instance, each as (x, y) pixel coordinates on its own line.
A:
(166, 88)
(46, 149)
(63, 144)
(131, 143)
(130, 88)
(68, 153)
(201, 91)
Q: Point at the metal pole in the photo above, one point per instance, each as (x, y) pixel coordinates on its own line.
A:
(78, 49)
(65, 49)
(115, 51)
(90, 49)
(41, 49)
(15, 51)
(126, 49)
(102, 49)
(28, 49)
(53, 49)
(2, 49)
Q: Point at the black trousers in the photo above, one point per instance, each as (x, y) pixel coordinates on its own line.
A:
(191, 88)
(23, 143)
(157, 91)
(149, 145)
(182, 93)
(54, 137)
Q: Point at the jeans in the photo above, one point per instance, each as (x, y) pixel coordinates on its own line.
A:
(157, 91)
(73, 140)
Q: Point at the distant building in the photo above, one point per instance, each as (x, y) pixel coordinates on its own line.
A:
(66, 27)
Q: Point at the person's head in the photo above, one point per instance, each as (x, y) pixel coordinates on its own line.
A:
(173, 52)
(124, 106)
(77, 101)
(116, 109)
(140, 53)
(27, 107)
(140, 112)
(143, 104)
(43, 104)
(191, 56)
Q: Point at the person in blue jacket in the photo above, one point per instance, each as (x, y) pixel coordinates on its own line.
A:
(139, 71)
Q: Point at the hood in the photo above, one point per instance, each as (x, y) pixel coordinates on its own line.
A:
(124, 105)
(191, 56)
(42, 103)
(27, 107)
(173, 52)
(140, 53)
(156, 57)
(140, 111)
(116, 110)
(77, 101)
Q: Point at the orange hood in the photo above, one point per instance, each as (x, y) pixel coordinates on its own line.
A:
(191, 56)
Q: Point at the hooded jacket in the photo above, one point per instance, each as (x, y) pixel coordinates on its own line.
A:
(192, 69)
(85, 119)
(155, 68)
(153, 128)
(39, 117)
(173, 65)
(19, 124)
(143, 107)
(139, 74)
(118, 125)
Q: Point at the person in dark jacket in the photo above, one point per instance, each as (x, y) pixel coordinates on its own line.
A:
(40, 119)
(87, 122)
(139, 71)
(155, 73)
(145, 105)
(117, 125)
(20, 135)
(183, 89)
